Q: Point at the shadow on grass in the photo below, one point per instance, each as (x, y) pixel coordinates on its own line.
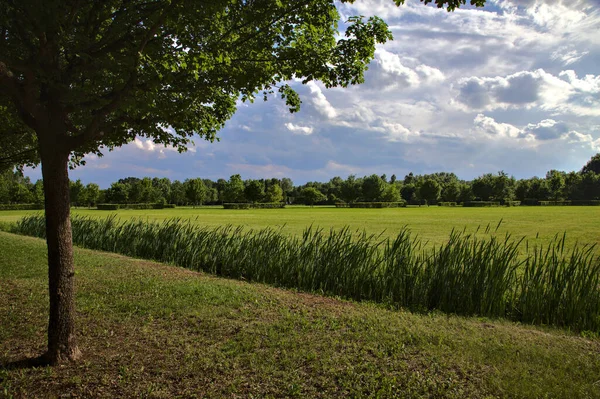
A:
(25, 363)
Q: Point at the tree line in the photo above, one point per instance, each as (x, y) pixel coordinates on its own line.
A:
(15, 188)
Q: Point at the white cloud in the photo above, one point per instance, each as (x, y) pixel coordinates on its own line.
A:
(393, 73)
(304, 130)
(320, 101)
(488, 126)
(527, 89)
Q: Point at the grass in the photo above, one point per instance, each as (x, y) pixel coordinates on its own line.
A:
(150, 330)
(469, 275)
(433, 225)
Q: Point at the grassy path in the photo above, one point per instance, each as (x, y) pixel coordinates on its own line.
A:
(151, 330)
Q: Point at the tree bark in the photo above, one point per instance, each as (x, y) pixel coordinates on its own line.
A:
(62, 345)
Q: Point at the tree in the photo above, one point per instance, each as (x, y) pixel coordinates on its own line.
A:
(593, 165)
(391, 193)
(451, 191)
(195, 190)
(234, 189)
(79, 75)
(350, 189)
(91, 193)
(118, 193)
(312, 195)
(430, 190)
(177, 193)
(556, 184)
(274, 194)
(75, 187)
(254, 190)
(372, 188)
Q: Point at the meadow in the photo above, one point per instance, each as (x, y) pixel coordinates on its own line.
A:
(156, 331)
(432, 224)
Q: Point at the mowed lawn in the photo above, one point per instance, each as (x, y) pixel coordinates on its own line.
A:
(432, 224)
(151, 330)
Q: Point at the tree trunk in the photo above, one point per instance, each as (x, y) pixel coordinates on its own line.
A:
(62, 345)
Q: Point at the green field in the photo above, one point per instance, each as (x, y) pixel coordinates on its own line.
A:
(432, 224)
(150, 330)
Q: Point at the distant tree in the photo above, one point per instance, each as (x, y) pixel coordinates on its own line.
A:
(194, 191)
(311, 195)
(466, 193)
(234, 190)
(593, 165)
(372, 188)
(408, 191)
(556, 184)
(76, 187)
(430, 191)
(350, 189)
(274, 194)
(254, 190)
(163, 185)
(538, 189)
(91, 193)
(522, 189)
(483, 187)
(177, 193)
(38, 192)
(451, 191)
(393, 179)
(118, 193)
(503, 187)
(391, 193)
(19, 193)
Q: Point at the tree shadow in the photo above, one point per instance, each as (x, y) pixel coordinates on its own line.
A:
(25, 363)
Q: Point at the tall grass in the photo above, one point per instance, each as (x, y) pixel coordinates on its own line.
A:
(467, 275)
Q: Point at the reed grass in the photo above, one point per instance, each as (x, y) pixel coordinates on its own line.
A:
(468, 274)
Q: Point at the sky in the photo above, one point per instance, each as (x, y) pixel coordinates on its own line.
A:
(513, 86)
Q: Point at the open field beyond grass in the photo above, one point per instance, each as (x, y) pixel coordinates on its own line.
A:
(150, 330)
(432, 224)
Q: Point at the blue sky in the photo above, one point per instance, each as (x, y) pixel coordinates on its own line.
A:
(514, 86)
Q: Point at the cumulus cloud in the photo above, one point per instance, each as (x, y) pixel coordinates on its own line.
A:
(547, 129)
(297, 129)
(391, 72)
(534, 134)
(488, 126)
(320, 102)
(563, 93)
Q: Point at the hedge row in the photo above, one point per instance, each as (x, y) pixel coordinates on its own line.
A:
(480, 204)
(114, 207)
(21, 207)
(259, 205)
(342, 205)
(377, 204)
(447, 203)
(534, 202)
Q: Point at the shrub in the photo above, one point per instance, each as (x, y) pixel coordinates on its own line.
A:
(21, 207)
(108, 207)
(512, 203)
(479, 204)
(114, 207)
(451, 203)
(554, 203)
(586, 202)
(258, 205)
(237, 206)
(399, 204)
(342, 205)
